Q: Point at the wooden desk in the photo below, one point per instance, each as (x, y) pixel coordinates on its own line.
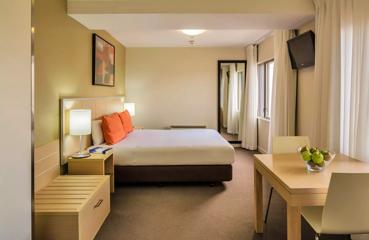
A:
(288, 175)
(96, 164)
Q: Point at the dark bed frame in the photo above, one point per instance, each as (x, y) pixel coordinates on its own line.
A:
(173, 174)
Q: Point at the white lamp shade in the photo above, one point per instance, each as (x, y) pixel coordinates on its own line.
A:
(80, 122)
(130, 107)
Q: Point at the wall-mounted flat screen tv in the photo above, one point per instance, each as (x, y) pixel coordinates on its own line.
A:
(302, 50)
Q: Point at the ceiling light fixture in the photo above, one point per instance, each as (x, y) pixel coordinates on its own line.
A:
(192, 33)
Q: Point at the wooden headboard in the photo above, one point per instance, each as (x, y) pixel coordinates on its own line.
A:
(99, 106)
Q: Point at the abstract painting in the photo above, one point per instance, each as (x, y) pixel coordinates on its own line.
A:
(103, 62)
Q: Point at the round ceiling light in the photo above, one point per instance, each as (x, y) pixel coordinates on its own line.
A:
(193, 32)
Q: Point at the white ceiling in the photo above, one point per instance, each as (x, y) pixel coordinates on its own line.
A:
(162, 30)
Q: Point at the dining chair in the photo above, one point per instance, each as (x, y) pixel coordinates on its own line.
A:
(346, 210)
(285, 144)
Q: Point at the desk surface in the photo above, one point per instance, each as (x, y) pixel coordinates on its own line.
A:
(290, 171)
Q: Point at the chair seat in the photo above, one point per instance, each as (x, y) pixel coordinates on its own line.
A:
(313, 215)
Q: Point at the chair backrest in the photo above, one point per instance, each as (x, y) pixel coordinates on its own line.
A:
(346, 208)
(288, 144)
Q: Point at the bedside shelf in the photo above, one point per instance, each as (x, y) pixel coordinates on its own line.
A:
(96, 164)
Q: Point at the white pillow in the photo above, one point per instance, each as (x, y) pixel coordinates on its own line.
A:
(97, 133)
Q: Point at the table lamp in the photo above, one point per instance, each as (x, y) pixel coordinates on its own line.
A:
(130, 107)
(80, 125)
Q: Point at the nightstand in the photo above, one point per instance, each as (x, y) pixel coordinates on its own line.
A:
(96, 164)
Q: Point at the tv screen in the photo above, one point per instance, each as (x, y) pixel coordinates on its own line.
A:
(302, 50)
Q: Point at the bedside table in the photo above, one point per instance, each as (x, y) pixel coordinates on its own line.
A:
(96, 164)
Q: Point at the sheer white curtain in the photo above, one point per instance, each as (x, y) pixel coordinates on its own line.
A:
(343, 77)
(283, 109)
(326, 84)
(250, 105)
(355, 142)
(233, 110)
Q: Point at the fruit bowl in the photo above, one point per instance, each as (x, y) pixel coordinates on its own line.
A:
(315, 159)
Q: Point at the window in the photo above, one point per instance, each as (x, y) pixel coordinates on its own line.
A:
(265, 78)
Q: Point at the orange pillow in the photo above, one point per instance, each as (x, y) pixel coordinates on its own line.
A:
(126, 119)
(112, 128)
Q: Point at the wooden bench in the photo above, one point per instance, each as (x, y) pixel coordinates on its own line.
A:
(69, 206)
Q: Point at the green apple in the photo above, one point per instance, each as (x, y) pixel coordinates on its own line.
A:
(317, 157)
(306, 156)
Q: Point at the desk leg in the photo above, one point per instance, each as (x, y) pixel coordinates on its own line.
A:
(293, 223)
(258, 192)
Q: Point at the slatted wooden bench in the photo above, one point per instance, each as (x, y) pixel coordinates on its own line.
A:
(70, 206)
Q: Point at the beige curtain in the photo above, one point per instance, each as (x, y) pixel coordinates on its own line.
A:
(283, 109)
(250, 105)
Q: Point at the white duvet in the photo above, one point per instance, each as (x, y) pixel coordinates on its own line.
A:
(173, 147)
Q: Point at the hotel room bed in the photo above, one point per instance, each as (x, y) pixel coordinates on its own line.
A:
(190, 155)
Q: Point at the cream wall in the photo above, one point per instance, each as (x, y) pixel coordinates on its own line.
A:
(304, 93)
(64, 65)
(266, 49)
(173, 86)
(263, 135)
(15, 121)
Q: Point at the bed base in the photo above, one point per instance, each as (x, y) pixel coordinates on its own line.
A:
(181, 173)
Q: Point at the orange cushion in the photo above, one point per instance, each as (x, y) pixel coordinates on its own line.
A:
(126, 119)
(112, 128)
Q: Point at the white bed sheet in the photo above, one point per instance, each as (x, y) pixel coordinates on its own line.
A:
(173, 147)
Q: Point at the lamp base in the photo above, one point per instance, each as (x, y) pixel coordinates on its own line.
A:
(81, 155)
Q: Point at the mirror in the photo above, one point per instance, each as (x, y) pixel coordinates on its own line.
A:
(231, 86)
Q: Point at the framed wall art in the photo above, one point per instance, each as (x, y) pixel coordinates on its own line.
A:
(103, 62)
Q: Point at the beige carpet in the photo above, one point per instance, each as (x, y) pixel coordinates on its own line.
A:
(195, 212)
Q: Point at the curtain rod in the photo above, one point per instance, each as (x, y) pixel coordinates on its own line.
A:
(262, 38)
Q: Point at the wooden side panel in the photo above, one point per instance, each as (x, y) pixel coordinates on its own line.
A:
(47, 164)
(76, 167)
(94, 213)
(52, 226)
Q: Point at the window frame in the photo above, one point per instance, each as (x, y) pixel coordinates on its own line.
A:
(264, 65)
